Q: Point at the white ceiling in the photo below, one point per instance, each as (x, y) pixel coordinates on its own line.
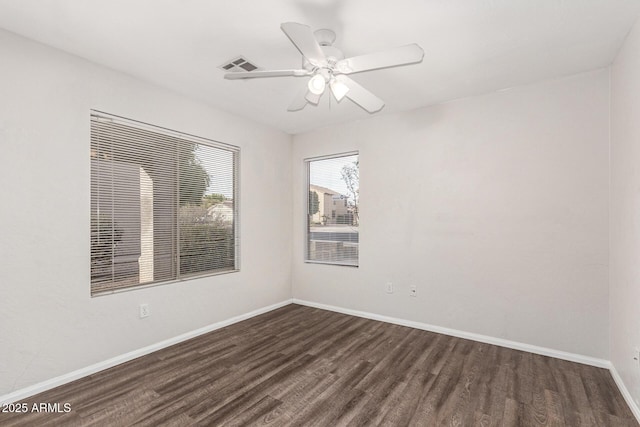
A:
(471, 46)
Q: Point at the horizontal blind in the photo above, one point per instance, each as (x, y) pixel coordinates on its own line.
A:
(333, 209)
(163, 205)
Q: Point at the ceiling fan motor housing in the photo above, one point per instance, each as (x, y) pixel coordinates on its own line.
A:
(324, 37)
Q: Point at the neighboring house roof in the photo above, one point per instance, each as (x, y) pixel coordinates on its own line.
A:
(227, 203)
(324, 190)
(223, 210)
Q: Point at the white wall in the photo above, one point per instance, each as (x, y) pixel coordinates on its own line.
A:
(496, 207)
(625, 212)
(49, 324)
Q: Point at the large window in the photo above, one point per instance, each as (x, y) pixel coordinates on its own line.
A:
(332, 209)
(163, 205)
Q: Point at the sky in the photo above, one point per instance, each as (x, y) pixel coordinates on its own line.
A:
(326, 173)
(219, 165)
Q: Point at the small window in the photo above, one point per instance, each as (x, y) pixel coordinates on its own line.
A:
(332, 209)
(163, 205)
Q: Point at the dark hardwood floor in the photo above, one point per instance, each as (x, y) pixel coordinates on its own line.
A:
(304, 366)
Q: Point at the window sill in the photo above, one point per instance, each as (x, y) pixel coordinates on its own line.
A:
(154, 284)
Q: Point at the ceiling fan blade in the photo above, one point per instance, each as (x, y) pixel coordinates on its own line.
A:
(300, 101)
(302, 37)
(360, 95)
(403, 55)
(313, 98)
(236, 75)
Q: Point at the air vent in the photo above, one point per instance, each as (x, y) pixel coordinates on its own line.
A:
(238, 64)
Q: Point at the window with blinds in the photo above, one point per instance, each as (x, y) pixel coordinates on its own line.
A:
(332, 209)
(163, 205)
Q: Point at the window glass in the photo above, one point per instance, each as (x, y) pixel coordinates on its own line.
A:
(162, 205)
(332, 209)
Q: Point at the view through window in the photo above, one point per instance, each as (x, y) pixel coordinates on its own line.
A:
(332, 209)
(163, 205)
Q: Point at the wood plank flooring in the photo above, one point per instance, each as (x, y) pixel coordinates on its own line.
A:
(303, 366)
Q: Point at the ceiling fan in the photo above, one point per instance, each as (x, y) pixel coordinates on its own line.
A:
(327, 66)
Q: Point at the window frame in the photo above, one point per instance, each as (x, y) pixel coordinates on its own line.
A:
(236, 201)
(307, 183)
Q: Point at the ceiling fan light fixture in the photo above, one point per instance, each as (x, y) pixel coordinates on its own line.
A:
(317, 84)
(338, 89)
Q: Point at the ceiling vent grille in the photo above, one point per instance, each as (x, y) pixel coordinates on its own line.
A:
(239, 63)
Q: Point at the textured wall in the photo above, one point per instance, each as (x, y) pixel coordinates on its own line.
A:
(625, 212)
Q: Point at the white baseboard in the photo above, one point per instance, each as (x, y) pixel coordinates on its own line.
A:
(633, 405)
(100, 366)
(572, 357)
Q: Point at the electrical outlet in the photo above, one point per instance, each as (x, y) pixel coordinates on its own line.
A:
(413, 291)
(389, 288)
(145, 311)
